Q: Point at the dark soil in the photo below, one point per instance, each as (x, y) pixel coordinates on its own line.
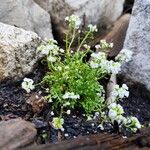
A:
(13, 105)
(128, 6)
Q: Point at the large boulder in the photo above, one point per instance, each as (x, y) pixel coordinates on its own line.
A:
(17, 51)
(27, 15)
(138, 41)
(16, 133)
(99, 12)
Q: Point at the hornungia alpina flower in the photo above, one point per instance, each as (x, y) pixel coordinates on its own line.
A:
(99, 56)
(68, 112)
(93, 64)
(105, 45)
(115, 112)
(27, 84)
(124, 56)
(92, 28)
(133, 124)
(74, 21)
(71, 95)
(120, 92)
(58, 122)
(114, 67)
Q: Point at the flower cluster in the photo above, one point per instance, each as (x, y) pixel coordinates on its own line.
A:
(74, 21)
(105, 45)
(115, 112)
(70, 95)
(71, 82)
(100, 61)
(51, 50)
(120, 92)
(57, 123)
(27, 84)
(133, 124)
(92, 28)
(124, 56)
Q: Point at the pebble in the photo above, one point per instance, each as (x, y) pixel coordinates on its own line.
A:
(39, 124)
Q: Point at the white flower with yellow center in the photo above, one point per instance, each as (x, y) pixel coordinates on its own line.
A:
(57, 123)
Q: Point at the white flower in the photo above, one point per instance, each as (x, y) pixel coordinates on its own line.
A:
(99, 55)
(112, 114)
(46, 49)
(67, 18)
(101, 126)
(115, 112)
(105, 45)
(52, 41)
(66, 134)
(96, 113)
(51, 58)
(59, 68)
(120, 92)
(86, 46)
(27, 84)
(68, 112)
(66, 104)
(61, 50)
(111, 45)
(58, 123)
(74, 21)
(92, 28)
(112, 105)
(94, 65)
(89, 118)
(52, 113)
(97, 46)
(124, 86)
(70, 95)
(114, 67)
(50, 100)
(133, 124)
(104, 64)
(124, 55)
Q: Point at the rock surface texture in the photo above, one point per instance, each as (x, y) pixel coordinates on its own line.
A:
(138, 41)
(99, 12)
(27, 15)
(17, 51)
(16, 133)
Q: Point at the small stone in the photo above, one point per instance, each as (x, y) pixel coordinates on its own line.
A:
(92, 124)
(39, 124)
(66, 134)
(52, 113)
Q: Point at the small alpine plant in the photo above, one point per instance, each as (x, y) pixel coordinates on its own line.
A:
(75, 84)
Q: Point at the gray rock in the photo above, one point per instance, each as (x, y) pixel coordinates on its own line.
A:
(99, 12)
(17, 51)
(16, 133)
(27, 15)
(138, 41)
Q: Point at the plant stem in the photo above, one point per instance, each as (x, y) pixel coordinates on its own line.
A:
(73, 37)
(66, 41)
(83, 41)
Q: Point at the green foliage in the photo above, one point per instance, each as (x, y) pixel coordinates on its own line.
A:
(77, 77)
(75, 84)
